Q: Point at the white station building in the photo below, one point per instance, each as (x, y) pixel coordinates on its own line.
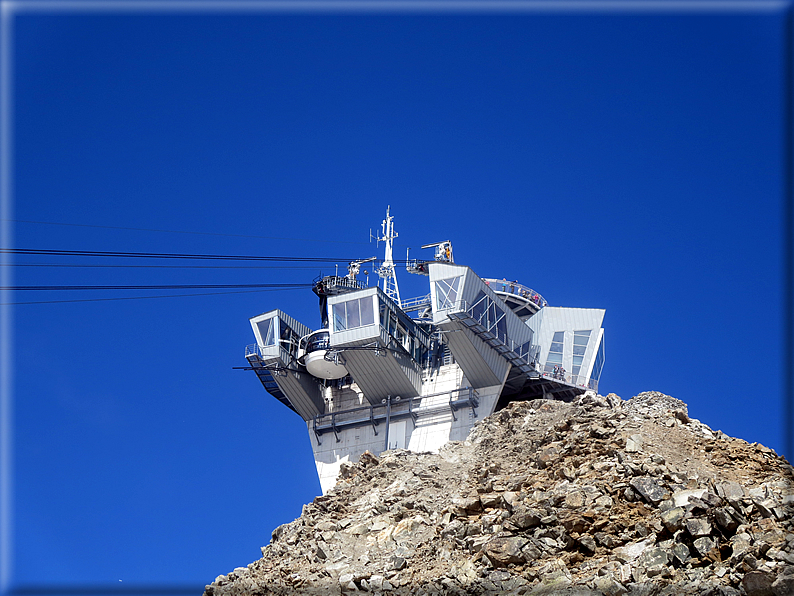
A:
(381, 373)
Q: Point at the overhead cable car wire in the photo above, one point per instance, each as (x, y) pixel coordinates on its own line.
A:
(110, 266)
(141, 297)
(54, 223)
(158, 255)
(158, 287)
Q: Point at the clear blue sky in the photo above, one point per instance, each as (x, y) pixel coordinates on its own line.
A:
(619, 160)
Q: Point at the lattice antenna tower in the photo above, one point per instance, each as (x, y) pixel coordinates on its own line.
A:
(386, 271)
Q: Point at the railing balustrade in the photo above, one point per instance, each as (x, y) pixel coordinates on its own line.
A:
(578, 380)
(515, 288)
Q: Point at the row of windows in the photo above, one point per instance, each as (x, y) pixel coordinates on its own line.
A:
(358, 312)
(580, 342)
(353, 313)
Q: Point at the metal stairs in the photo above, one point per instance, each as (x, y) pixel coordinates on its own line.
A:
(491, 340)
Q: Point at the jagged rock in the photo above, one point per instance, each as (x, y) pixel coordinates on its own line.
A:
(703, 545)
(632, 551)
(784, 583)
(698, 527)
(634, 443)
(758, 583)
(505, 550)
(544, 498)
(609, 586)
(649, 489)
(681, 553)
(673, 519)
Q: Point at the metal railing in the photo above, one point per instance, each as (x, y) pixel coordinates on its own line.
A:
(252, 350)
(516, 289)
(397, 409)
(415, 303)
(578, 380)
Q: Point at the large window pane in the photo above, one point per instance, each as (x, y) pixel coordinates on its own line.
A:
(340, 320)
(447, 292)
(367, 316)
(267, 332)
(353, 314)
(480, 305)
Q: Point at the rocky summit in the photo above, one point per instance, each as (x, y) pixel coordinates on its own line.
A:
(597, 496)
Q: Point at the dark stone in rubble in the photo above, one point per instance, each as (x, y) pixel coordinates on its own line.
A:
(704, 545)
(547, 456)
(524, 518)
(758, 583)
(698, 527)
(784, 584)
(587, 542)
(724, 518)
(367, 459)
(502, 551)
(712, 500)
(606, 540)
(673, 519)
(681, 553)
(649, 489)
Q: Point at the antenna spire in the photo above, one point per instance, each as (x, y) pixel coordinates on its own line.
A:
(386, 271)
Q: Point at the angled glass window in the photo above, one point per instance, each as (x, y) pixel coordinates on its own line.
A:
(267, 332)
(447, 292)
(599, 362)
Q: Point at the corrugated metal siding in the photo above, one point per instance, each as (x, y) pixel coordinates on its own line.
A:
(303, 393)
(301, 389)
(380, 375)
(481, 364)
(355, 335)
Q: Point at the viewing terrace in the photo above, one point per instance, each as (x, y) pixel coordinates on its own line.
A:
(522, 300)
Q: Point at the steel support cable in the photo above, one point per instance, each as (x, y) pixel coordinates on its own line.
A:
(156, 255)
(141, 297)
(54, 223)
(160, 287)
(108, 266)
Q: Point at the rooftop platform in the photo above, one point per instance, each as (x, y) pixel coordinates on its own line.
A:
(522, 300)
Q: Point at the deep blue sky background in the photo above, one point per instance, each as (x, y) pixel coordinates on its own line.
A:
(622, 161)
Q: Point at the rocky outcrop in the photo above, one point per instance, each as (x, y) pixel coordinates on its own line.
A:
(599, 496)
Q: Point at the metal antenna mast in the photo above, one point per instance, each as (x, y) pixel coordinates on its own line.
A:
(386, 271)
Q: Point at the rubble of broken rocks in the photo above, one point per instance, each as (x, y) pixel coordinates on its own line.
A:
(597, 496)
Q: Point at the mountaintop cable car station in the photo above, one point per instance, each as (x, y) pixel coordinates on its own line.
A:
(384, 373)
